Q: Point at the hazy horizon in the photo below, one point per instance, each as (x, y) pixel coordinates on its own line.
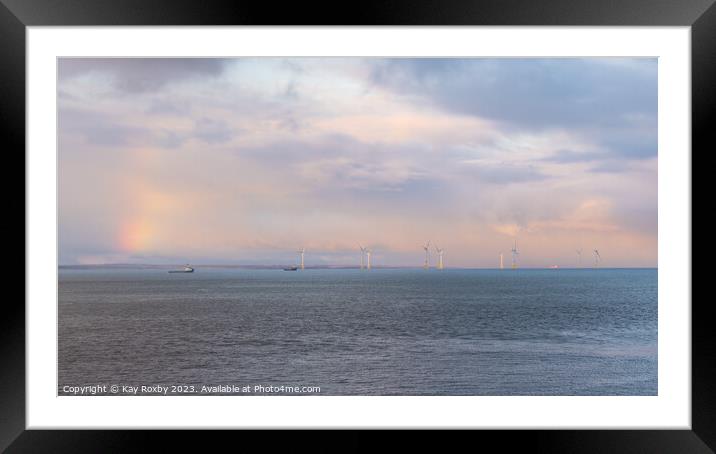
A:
(339, 266)
(242, 161)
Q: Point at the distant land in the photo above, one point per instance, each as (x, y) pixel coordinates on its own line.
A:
(317, 267)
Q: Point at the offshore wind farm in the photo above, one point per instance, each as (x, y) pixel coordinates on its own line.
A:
(358, 226)
(365, 262)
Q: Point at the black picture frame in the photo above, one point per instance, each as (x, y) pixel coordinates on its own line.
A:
(16, 15)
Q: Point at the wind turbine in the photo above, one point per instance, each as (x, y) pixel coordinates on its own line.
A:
(426, 265)
(302, 251)
(579, 254)
(514, 255)
(362, 255)
(368, 252)
(597, 258)
(440, 254)
(502, 263)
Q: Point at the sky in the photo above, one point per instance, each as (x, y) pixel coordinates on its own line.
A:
(246, 160)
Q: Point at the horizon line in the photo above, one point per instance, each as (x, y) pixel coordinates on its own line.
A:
(278, 266)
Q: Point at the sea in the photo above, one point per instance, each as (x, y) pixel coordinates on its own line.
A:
(405, 332)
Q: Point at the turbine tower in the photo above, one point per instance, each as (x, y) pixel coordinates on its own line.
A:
(362, 255)
(302, 251)
(502, 263)
(426, 264)
(368, 252)
(514, 255)
(579, 257)
(597, 258)
(440, 260)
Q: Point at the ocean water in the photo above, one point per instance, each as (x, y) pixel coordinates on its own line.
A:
(352, 332)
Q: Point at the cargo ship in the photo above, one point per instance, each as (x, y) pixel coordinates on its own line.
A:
(187, 269)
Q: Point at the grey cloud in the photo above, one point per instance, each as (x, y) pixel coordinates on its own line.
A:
(527, 92)
(138, 75)
(63, 95)
(611, 166)
(110, 131)
(341, 168)
(104, 129)
(606, 95)
(629, 145)
(97, 128)
(168, 107)
(169, 139)
(348, 162)
(213, 131)
(505, 174)
(570, 157)
(293, 152)
(616, 150)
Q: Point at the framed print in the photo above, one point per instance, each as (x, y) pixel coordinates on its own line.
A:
(241, 218)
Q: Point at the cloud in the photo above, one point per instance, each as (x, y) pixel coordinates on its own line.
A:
(503, 173)
(612, 166)
(590, 215)
(528, 92)
(213, 131)
(139, 75)
(592, 95)
(116, 130)
(240, 160)
(570, 157)
(98, 128)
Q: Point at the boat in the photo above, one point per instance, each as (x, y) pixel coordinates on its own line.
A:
(187, 269)
(291, 268)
